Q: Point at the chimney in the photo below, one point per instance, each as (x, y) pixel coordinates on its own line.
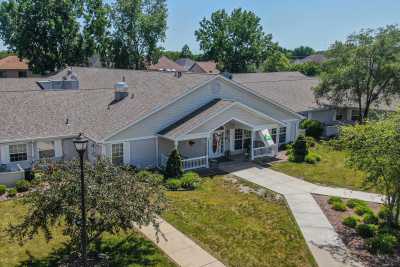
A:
(120, 90)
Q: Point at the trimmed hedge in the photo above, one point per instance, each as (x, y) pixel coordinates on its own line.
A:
(3, 189)
(350, 221)
(382, 244)
(332, 200)
(299, 150)
(339, 206)
(370, 218)
(352, 203)
(361, 210)
(12, 192)
(173, 184)
(190, 181)
(313, 128)
(22, 186)
(312, 157)
(366, 230)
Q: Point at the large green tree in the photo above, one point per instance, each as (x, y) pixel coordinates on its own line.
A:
(117, 199)
(276, 60)
(52, 33)
(302, 52)
(364, 70)
(185, 52)
(236, 41)
(374, 147)
(139, 26)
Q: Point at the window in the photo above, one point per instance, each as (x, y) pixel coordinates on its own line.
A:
(355, 115)
(339, 115)
(238, 139)
(273, 135)
(282, 135)
(22, 74)
(18, 152)
(117, 154)
(46, 150)
(2, 74)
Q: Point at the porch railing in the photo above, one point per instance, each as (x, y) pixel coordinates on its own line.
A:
(263, 151)
(195, 163)
(189, 163)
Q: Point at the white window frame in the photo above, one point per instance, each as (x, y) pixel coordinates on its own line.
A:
(117, 153)
(355, 117)
(238, 136)
(20, 150)
(48, 150)
(282, 135)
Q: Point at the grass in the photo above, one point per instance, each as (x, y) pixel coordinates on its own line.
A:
(129, 249)
(239, 229)
(330, 171)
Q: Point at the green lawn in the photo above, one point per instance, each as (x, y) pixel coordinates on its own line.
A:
(124, 250)
(240, 229)
(331, 170)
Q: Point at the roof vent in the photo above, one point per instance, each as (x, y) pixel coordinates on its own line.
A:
(178, 74)
(120, 90)
(68, 82)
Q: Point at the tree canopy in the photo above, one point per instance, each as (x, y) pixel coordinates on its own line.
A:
(364, 70)
(374, 147)
(185, 52)
(302, 52)
(116, 199)
(236, 41)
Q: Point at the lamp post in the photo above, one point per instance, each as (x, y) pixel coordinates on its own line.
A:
(80, 143)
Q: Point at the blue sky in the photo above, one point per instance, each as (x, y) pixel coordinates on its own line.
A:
(291, 22)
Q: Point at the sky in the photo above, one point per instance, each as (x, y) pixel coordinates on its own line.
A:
(292, 22)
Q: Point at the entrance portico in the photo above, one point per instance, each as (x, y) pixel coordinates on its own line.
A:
(222, 129)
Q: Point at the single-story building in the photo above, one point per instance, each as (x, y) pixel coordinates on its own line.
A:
(139, 117)
(13, 67)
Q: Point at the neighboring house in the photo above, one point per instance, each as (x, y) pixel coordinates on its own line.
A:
(186, 63)
(140, 120)
(166, 64)
(13, 67)
(204, 67)
(295, 90)
(189, 65)
(316, 58)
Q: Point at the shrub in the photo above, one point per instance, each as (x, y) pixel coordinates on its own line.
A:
(22, 186)
(174, 166)
(366, 230)
(312, 158)
(3, 189)
(361, 210)
(313, 128)
(352, 203)
(299, 149)
(311, 142)
(382, 244)
(383, 213)
(12, 192)
(350, 221)
(370, 218)
(173, 184)
(190, 181)
(332, 200)
(339, 206)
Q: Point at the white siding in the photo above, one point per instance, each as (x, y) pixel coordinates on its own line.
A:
(323, 115)
(215, 89)
(197, 149)
(143, 153)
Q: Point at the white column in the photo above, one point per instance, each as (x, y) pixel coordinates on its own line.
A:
(277, 139)
(157, 156)
(5, 155)
(33, 152)
(207, 151)
(252, 145)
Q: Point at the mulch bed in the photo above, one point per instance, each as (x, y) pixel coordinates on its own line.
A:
(351, 239)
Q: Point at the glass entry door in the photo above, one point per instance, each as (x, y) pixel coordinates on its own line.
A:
(217, 144)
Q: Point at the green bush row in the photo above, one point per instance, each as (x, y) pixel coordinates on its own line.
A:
(188, 181)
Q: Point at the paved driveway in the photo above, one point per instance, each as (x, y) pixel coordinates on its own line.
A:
(323, 241)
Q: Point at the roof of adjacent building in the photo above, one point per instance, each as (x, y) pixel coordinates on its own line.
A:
(195, 118)
(13, 63)
(186, 63)
(206, 66)
(316, 58)
(27, 112)
(166, 64)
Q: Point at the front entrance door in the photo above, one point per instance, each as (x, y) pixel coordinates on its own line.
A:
(217, 144)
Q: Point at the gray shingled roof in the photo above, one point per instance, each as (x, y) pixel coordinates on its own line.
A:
(195, 118)
(28, 112)
(186, 63)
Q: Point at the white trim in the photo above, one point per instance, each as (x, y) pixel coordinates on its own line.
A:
(261, 113)
(58, 151)
(39, 139)
(5, 154)
(126, 152)
(160, 108)
(131, 139)
(191, 136)
(157, 156)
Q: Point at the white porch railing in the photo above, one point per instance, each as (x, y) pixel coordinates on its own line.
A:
(264, 151)
(195, 163)
(188, 164)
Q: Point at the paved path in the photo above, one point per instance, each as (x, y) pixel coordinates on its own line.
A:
(323, 241)
(179, 247)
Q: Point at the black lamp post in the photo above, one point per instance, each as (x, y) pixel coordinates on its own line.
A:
(81, 145)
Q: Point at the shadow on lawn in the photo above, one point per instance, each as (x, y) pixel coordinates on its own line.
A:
(119, 251)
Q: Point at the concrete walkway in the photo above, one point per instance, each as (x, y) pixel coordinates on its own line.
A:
(323, 241)
(179, 247)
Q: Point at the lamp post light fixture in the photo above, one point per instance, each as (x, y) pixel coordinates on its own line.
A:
(80, 143)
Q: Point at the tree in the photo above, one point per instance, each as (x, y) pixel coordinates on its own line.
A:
(116, 199)
(185, 52)
(235, 41)
(139, 25)
(307, 68)
(174, 166)
(374, 148)
(365, 70)
(302, 52)
(276, 61)
(299, 149)
(52, 34)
